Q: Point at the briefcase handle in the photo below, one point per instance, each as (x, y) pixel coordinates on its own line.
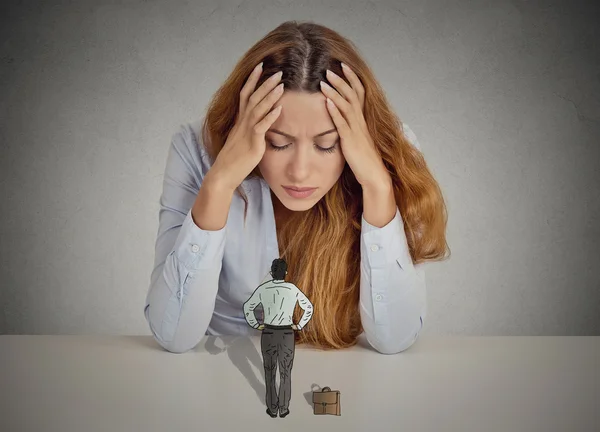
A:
(326, 389)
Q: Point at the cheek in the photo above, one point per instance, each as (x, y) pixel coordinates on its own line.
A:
(329, 170)
(267, 166)
(335, 165)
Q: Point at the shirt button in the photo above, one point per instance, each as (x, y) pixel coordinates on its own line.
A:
(378, 297)
(195, 248)
(374, 248)
(179, 295)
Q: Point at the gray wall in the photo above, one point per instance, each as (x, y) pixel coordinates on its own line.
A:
(503, 96)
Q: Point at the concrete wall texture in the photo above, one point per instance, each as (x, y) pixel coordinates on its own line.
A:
(504, 97)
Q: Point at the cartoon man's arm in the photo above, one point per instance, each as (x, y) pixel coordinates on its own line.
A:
(307, 306)
(250, 305)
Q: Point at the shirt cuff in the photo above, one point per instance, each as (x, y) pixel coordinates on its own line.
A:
(384, 245)
(197, 248)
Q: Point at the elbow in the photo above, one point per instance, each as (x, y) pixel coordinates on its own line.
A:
(174, 344)
(392, 346)
(175, 348)
(177, 314)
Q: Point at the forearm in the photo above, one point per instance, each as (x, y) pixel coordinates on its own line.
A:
(211, 207)
(393, 307)
(306, 316)
(189, 248)
(251, 318)
(181, 298)
(179, 320)
(392, 289)
(379, 203)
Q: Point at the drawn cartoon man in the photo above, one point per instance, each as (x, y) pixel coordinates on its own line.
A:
(278, 298)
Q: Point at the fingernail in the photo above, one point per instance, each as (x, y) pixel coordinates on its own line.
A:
(259, 66)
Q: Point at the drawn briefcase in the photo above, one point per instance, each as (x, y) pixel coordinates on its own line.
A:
(326, 401)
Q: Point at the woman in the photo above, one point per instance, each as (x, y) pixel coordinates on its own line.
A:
(354, 242)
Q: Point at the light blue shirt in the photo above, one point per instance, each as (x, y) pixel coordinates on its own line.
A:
(278, 299)
(201, 279)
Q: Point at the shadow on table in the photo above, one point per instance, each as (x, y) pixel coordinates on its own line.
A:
(242, 353)
(308, 396)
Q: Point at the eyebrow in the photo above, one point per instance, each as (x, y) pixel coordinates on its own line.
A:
(293, 137)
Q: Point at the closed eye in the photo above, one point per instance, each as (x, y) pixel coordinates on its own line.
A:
(321, 149)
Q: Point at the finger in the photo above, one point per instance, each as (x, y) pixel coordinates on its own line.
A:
(340, 103)
(263, 126)
(262, 91)
(260, 110)
(249, 87)
(344, 89)
(356, 84)
(340, 123)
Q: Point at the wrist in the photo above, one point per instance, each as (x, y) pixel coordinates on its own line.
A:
(378, 185)
(215, 181)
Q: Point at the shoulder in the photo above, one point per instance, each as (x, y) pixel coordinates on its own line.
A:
(293, 287)
(266, 284)
(412, 137)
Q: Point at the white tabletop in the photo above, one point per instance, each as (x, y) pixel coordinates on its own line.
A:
(129, 383)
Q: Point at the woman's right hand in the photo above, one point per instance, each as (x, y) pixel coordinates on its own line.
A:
(245, 144)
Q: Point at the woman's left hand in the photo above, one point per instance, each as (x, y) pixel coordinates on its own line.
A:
(358, 147)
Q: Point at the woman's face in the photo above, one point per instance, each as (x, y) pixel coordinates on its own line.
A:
(301, 160)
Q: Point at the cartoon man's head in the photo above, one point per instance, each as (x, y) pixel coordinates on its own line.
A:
(278, 269)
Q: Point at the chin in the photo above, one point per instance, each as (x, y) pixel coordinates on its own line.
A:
(297, 204)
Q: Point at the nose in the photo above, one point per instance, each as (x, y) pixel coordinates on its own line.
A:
(298, 168)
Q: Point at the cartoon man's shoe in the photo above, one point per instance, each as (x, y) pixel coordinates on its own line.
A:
(271, 413)
(283, 413)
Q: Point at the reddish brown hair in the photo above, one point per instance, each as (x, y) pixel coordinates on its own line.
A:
(322, 245)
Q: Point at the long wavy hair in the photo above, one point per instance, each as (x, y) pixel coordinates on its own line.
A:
(322, 245)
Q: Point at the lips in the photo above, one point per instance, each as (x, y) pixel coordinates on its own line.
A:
(299, 193)
(304, 189)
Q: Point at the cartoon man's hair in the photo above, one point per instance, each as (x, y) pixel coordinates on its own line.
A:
(279, 269)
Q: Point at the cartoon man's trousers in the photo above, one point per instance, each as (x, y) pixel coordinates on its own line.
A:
(278, 345)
